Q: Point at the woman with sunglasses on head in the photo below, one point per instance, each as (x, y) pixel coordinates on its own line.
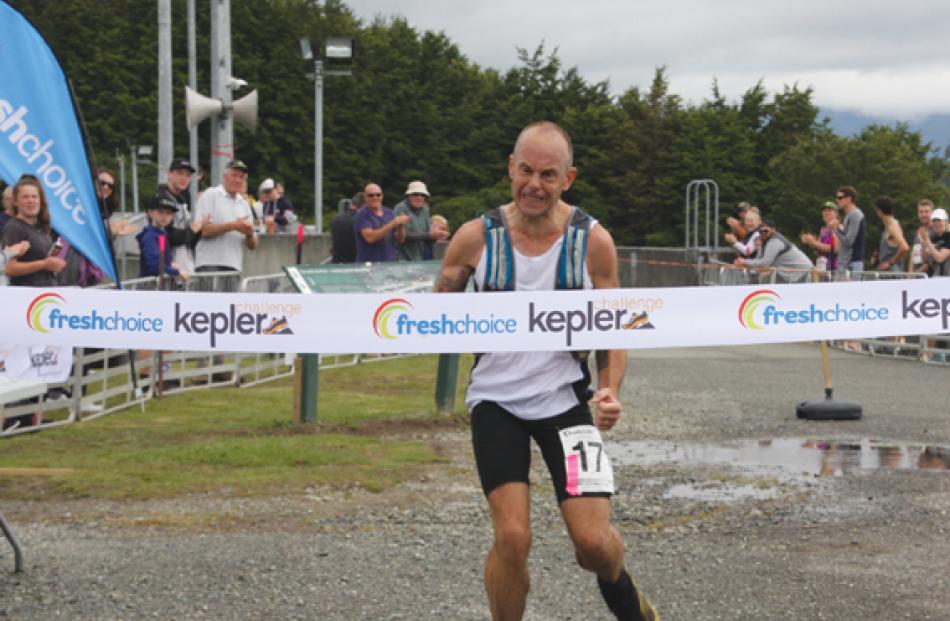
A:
(35, 267)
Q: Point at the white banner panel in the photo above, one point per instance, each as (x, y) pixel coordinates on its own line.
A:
(473, 322)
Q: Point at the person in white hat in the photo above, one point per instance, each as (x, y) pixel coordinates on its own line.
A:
(417, 245)
(936, 248)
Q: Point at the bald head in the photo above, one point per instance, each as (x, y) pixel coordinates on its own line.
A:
(546, 130)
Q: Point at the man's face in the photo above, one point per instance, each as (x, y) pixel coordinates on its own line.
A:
(416, 201)
(373, 197)
(179, 179)
(765, 232)
(234, 180)
(923, 214)
(105, 184)
(939, 226)
(539, 173)
(843, 200)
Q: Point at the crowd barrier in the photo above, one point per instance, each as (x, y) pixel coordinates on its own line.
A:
(102, 381)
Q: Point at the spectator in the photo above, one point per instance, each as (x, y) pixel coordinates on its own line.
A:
(7, 214)
(279, 211)
(11, 252)
(227, 227)
(916, 262)
(937, 252)
(266, 194)
(826, 243)
(342, 236)
(378, 229)
(778, 253)
(34, 267)
(747, 246)
(155, 256)
(181, 236)
(852, 232)
(419, 236)
(893, 245)
(736, 222)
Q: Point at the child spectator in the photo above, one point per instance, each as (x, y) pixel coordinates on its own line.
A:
(156, 240)
(826, 243)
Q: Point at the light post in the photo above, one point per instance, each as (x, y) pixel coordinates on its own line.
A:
(338, 53)
(141, 154)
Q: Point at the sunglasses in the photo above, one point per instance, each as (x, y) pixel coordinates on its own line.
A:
(374, 195)
(108, 184)
(841, 196)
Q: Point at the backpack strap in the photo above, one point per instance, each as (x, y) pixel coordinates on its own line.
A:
(572, 262)
(499, 257)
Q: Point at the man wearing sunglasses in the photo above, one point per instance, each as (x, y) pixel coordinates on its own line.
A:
(852, 232)
(377, 228)
(778, 253)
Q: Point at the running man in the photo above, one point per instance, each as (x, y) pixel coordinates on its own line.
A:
(516, 396)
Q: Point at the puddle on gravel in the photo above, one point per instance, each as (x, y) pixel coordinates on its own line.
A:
(791, 456)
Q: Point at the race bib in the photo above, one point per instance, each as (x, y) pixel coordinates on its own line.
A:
(585, 460)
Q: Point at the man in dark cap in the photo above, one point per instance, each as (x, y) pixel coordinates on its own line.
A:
(229, 227)
(176, 189)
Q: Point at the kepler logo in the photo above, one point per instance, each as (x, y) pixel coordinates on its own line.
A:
(265, 318)
(392, 320)
(595, 317)
(37, 156)
(759, 311)
(45, 314)
(926, 308)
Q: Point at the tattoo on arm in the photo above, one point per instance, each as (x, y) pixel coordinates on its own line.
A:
(453, 279)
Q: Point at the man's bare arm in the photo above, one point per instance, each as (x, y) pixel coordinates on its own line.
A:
(460, 259)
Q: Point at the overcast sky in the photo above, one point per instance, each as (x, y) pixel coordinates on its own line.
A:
(888, 59)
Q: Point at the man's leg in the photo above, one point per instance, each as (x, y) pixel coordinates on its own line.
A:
(599, 548)
(506, 569)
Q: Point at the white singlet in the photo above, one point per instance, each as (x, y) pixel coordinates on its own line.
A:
(530, 385)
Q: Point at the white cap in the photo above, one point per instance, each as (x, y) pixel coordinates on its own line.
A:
(417, 187)
(266, 185)
(939, 214)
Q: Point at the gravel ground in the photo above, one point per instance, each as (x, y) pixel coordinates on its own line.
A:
(741, 543)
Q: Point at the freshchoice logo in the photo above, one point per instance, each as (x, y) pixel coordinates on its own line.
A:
(759, 311)
(750, 305)
(37, 154)
(392, 320)
(44, 314)
(39, 305)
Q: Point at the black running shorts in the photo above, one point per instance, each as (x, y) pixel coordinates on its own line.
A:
(502, 449)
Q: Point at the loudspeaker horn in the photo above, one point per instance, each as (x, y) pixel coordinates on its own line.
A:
(245, 110)
(198, 107)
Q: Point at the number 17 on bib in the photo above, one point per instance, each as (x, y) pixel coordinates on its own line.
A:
(585, 460)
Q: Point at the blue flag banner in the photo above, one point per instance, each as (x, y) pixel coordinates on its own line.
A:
(40, 135)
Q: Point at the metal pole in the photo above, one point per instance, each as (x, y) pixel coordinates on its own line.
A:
(318, 144)
(222, 129)
(17, 552)
(193, 83)
(121, 158)
(446, 382)
(135, 181)
(166, 137)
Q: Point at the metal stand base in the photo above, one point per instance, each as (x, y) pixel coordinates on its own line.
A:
(17, 552)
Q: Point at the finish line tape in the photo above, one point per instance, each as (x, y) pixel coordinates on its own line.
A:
(473, 322)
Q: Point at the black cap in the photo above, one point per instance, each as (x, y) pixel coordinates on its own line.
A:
(237, 165)
(768, 222)
(162, 202)
(181, 162)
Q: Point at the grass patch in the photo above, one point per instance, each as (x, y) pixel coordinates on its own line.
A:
(238, 441)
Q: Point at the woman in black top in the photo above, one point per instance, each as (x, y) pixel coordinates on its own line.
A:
(34, 268)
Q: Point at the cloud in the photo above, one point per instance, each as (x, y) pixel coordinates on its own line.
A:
(881, 59)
